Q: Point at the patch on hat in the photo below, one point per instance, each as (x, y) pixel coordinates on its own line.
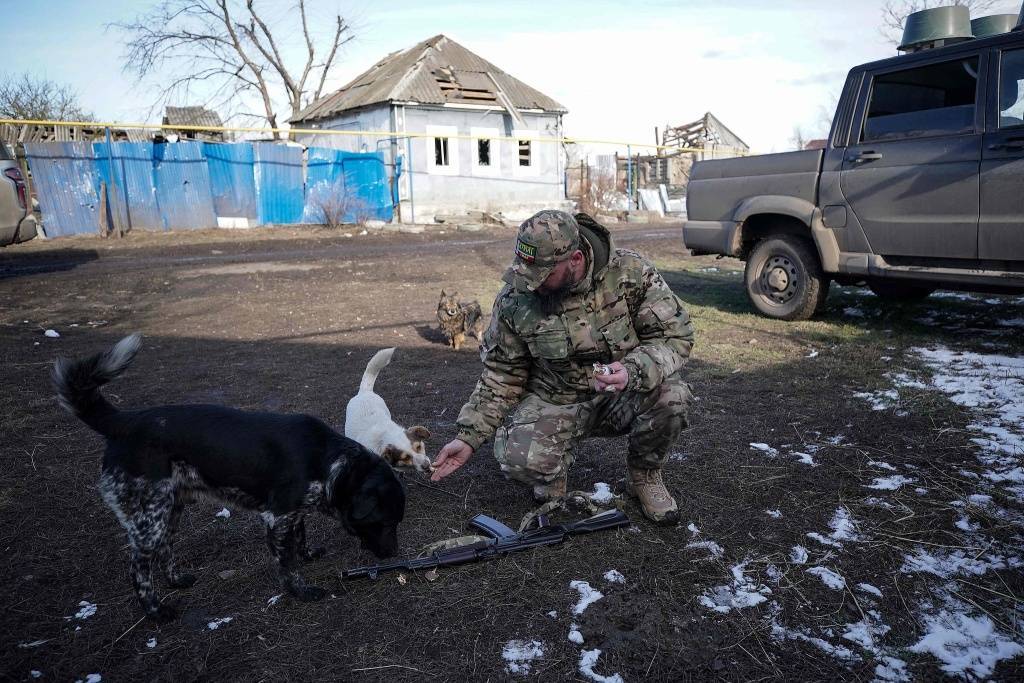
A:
(525, 251)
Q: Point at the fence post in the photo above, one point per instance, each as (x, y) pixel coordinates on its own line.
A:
(629, 177)
(114, 203)
(412, 202)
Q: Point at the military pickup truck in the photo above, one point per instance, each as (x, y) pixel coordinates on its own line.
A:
(920, 186)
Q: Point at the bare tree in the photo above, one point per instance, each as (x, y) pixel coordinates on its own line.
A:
(799, 138)
(30, 98)
(227, 50)
(895, 12)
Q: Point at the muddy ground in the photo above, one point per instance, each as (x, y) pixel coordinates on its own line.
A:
(285, 321)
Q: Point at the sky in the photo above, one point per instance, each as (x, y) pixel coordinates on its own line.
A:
(620, 68)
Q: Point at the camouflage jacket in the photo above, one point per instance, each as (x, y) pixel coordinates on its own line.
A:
(622, 310)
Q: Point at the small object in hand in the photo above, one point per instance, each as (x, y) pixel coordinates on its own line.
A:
(600, 369)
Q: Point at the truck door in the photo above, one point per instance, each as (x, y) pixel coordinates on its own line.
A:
(910, 173)
(1001, 231)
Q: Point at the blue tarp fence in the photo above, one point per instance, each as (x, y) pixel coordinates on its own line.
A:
(186, 185)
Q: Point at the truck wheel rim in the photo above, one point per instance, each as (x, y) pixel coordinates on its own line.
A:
(780, 278)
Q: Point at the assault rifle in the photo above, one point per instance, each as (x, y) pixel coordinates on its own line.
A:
(502, 541)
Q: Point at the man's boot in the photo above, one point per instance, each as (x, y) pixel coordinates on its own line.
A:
(655, 500)
(552, 490)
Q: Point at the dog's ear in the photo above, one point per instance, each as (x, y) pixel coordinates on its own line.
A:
(444, 293)
(417, 433)
(395, 456)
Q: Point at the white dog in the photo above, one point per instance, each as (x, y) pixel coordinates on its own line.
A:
(368, 421)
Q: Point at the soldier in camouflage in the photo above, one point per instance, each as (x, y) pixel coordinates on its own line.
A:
(573, 303)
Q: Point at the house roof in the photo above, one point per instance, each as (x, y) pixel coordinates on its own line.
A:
(191, 116)
(703, 132)
(435, 71)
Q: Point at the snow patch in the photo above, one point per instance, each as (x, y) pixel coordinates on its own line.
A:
(879, 400)
(867, 631)
(217, 623)
(743, 592)
(830, 578)
(798, 555)
(614, 576)
(892, 483)
(805, 459)
(714, 550)
(992, 386)
(868, 588)
(602, 493)
(588, 596)
(965, 644)
(881, 465)
(224, 512)
(518, 654)
(774, 514)
(765, 448)
(574, 635)
(892, 670)
(588, 660)
(949, 563)
(151, 643)
(781, 633)
(86, 610)
(843, 529)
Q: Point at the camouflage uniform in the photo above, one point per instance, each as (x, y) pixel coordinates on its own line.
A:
(542, 365)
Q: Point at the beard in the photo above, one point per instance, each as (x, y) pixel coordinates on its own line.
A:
(551, 301)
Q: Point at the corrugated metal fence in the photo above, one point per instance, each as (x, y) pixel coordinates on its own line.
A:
(184, 185)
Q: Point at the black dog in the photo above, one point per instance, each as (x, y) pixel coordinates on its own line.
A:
(159, 459)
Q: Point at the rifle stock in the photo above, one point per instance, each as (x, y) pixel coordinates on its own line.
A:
(501, 545)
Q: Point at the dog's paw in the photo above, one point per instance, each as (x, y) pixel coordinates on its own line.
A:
(310, 594)
(314, 553)
(182, 581)
(163, 614)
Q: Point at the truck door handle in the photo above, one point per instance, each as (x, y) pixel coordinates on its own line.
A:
(864, 156)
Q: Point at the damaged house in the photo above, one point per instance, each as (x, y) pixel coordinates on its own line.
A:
(435, 97)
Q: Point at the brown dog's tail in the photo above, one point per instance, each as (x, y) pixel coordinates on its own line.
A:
(78, 381)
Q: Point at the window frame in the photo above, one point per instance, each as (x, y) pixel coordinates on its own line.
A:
(533, 137)
(995, 123)
(447, 133)
(980, 97)
(491, 134)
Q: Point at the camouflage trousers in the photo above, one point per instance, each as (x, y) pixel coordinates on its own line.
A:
(537, 442)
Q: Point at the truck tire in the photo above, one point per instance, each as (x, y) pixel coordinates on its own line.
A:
(784, 278)
(895, 290)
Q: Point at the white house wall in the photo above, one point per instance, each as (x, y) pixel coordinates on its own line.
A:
(376, 118)
(509, 188)
(464, 185)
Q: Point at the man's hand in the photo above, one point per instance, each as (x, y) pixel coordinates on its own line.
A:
(454, 455)
(615, 382)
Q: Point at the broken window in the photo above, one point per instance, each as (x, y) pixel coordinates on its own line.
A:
(526, 153)
(483, 152)
(441, 152)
